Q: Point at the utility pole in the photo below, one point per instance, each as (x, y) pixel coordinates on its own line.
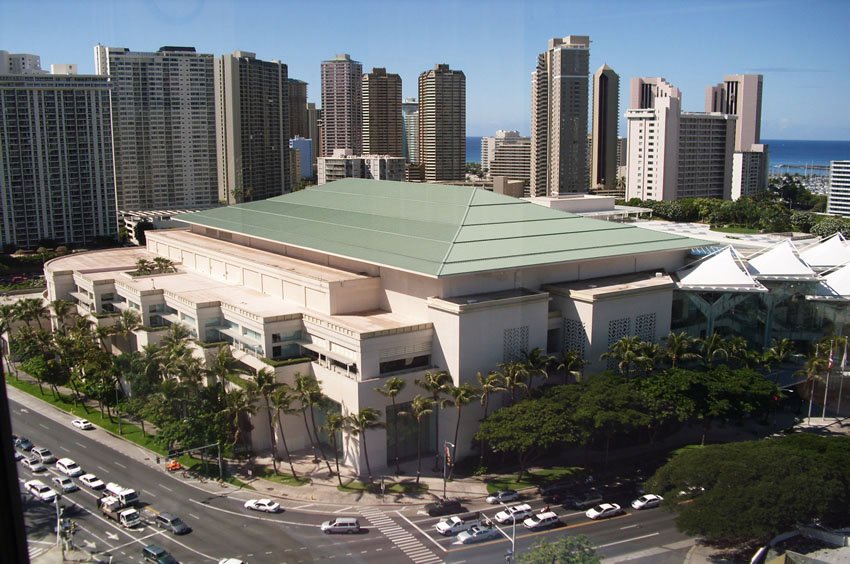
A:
(509, 555)
(117, 412)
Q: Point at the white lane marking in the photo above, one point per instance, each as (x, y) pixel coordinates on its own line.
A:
(43, 426)
(343, 509)
(102, 469)
(303, 506)
(253, 516)
(427, 536)
(166, 488)
(195, 516)
(64, 449)
(628, 540)
(637, 555)
(629, 527)
(119, 464)
(80, 445)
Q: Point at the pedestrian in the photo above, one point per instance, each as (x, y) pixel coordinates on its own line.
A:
(157, 459)
(545, 509)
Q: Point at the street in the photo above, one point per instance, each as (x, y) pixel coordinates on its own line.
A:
(223, 528)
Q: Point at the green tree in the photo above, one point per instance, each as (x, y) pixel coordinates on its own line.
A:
(391, 389)
(572, 363)
(336, 423)
(625, 352)
(757, 489)
(679, 347)
(60, 309)
(713, 347)
(309, 394)
(489, 385)
(459, 396)
(435, 383)
(514, 375)
(573, 549)
(419, 408)
(282, 399)
(266, 388)
(365, 419)
(239, 403)
(537, 363)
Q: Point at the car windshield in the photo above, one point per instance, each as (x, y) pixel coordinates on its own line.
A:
(599, 509)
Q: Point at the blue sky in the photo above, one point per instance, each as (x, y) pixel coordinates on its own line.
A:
(802, 48)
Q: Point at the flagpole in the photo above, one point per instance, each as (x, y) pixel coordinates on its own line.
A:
(812, 390)
(841, 386)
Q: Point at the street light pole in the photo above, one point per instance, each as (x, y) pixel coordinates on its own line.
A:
(509, 557)
(446, 464)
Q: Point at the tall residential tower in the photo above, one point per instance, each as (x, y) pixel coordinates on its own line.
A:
(606, 118)
(382, 119)
(342, 112)
(559, 100)
(163, 126)
(252, 128)
(442, 124)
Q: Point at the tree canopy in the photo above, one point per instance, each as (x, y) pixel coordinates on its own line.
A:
(572, 549)
(755, 490)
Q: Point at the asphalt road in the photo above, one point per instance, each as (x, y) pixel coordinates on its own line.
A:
(222, 527)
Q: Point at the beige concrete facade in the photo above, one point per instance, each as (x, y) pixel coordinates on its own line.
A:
(559, 101)
(342, 110)
(360, 323)
(382, 117)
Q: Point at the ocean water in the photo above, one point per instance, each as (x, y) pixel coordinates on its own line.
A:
(797, 154)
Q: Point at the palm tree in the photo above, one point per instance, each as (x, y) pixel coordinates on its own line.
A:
(779, 352)
(391, 389)
(162, 265)
(489, 384)
(679, 347)
(61, 309)
(460, 396)
(737, 350)
(572, 364)
(648, 357)
(266, 387)
(365, 419)
(32, 309)
(624, 351)
(336, 423)
(419, 408)
(143, 266)
(221, 365)
(812, 369)
(513, 375)
(711, 347)
(309, 393)
(282, 399)
(435, 384)
(537, 362)
(127, 322)
(239, 402)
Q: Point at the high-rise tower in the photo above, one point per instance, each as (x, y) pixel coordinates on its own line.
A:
(298, 121)
(252, 128)
(442, 124)
(163, 126)
(342, 112)
(606, 109)
(410, 123)
(382, 119)
(559, 100)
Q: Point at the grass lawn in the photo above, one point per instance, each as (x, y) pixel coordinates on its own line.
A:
(129, 431)
(735, 229)
(405, 488)
(282, 477)
(533, 478)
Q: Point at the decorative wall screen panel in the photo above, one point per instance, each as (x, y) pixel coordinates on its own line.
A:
(514, 343)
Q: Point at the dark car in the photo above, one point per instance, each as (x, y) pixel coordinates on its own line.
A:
(444, 507)
(154, 553)
(23, 443)
(552, 489)
(583, 500)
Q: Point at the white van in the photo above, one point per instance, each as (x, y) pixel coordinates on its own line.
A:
(125, 496)
(341, 525)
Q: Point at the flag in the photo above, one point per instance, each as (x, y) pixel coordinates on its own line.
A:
(831, 359)
(844, 358)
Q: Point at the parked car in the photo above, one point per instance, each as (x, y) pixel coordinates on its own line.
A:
(40, 490)
(266, 505)
(502, 496)
(444, 507)
(69, 467)
(82, 424)
(65, 484)
(18, 456)
(478, 534)
(553, 489)
(647, 501)
(583, 500)
(155, 553)
(341, 525)
(515, 512)
(542, 521)
(603, 511)
(172, 523)
(23, 443)
(92, 481)
(44, 455)
(34, 465)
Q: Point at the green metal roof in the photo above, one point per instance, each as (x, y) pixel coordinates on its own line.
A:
(432, 229)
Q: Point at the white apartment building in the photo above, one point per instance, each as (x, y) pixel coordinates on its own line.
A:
(749, 171)
(343, 164)
(839, 188)
(410, 124)
(56, 177)
(363, 280)
(163, 126)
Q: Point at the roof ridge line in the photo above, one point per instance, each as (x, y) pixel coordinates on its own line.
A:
(457, 233)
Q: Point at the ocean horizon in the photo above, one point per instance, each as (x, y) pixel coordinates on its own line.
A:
(796, 155)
